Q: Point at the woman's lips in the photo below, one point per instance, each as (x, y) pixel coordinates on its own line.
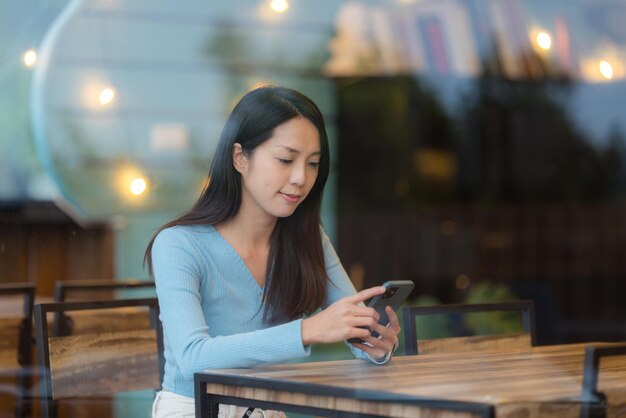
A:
(291, 198)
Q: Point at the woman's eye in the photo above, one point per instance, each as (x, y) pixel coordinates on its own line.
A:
(284, 161)
(314, 164)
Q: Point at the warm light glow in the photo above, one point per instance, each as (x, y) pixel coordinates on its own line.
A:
(132, 184)
(462, 281)
(259, 84)
(448, 227)
(606, 66)
(107, 95)
(205, 184)
(30, 58)
(138, 186)
(279, 6)
(544, 40)
(606, 69)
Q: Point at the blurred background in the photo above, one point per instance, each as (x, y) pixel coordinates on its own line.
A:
(477, 146)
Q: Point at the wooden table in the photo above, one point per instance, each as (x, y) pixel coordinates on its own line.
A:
(536, 382)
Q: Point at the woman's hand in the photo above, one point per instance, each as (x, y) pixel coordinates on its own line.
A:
(342, 320)
(388, 339)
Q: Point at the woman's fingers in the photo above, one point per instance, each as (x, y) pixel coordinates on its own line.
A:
(376, 347)
(374, 351)
(394, 321)
(383, 342)
(387, 336)
(364, 295)
(364, 311)
(363, 321)
(347, 318)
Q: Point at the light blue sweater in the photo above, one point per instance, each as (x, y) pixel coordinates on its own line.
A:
(212, 308)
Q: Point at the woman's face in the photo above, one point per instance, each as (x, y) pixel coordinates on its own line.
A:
(281, 172)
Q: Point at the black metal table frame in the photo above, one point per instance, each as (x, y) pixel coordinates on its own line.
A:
(207, 405)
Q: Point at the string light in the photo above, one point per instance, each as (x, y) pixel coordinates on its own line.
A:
(544, 40)
(606, 69)
(107, 95)
(462, 281)
(29, 58)
(138, 186)
(279, 6)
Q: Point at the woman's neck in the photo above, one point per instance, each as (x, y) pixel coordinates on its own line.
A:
(251, 240)
(247, 232)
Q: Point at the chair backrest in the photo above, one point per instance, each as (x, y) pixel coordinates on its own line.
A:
(65, 290)
(417, 343)
(121, 356)
(16, 318)
(594, 403)
(84, 290)
(16, 310)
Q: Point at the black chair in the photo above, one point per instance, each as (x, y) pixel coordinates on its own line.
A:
(65, 290)
(594, 402)
(84, 290)
(122, 351)
(460, 340)
(16, 360)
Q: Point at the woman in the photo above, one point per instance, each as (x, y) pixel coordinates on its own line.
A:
(242, 275)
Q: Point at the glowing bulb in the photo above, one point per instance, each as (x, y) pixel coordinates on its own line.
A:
(606, 69)
(30, 58)
(107, 95)
(279, 6)
(544, 40)
(138, 186)
(462, 281)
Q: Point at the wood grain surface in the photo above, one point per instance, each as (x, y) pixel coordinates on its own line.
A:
(99, 321)
(474, 343)
(9, 334)
(528, 382)
(102, 364)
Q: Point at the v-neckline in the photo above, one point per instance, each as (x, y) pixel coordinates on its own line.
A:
(240, 260)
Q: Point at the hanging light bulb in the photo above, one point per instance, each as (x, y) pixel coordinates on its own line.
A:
(279, 6)
(29, 58)
(543, 40)
(107, 95)
(606, 69)
(138, 186)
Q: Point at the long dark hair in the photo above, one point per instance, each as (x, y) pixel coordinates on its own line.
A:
(296, 273)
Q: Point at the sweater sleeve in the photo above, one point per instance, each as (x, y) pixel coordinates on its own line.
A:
(178, 275)
(340, 284)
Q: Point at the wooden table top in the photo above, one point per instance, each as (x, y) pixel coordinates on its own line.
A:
(507, 380)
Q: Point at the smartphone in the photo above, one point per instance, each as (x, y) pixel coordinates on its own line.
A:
(396, 293)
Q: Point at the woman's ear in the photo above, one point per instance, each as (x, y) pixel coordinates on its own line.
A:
(240, 161)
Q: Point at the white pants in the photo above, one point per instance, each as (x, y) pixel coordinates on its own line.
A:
(171, 405)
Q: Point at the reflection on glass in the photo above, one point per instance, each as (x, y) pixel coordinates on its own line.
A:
(29, 58)
(107, 95)
(131, 183)
(544, 40)
(138, 186)
(511, 108)
(279, 6)
(606, 69)
(462, 281)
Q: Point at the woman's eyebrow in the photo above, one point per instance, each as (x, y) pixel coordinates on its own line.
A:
(295, 151)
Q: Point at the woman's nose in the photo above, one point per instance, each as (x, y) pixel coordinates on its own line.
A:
(298, 174)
